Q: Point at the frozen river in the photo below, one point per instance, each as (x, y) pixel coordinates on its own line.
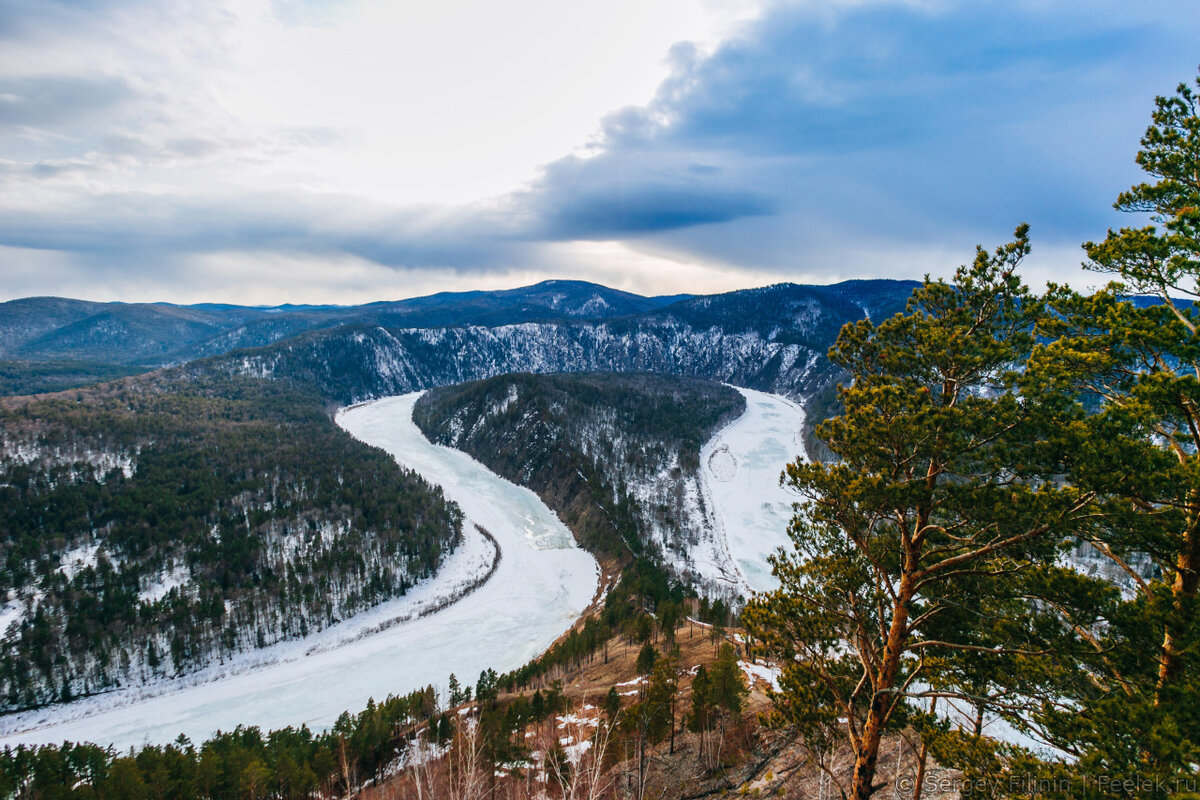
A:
(740, 468)
(542, 584)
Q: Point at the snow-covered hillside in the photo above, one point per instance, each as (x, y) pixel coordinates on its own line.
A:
(541, 585)
(680, 469)
(617, 455)
(153, 528)
(355, 364)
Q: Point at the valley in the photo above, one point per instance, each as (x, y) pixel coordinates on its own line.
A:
(538, 588)
(151, 544)
(477, 403)
(301, 544)
(542, 584)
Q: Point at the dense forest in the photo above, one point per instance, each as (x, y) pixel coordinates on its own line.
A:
(506, 721)
(37, 377)
(151, 525)
(617, 456)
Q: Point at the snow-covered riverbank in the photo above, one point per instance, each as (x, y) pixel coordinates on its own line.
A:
(542, 584)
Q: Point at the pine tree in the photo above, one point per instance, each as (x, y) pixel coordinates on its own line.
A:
(699, 718)
(455, 690)
(943, 506)
(727, 683)
(1154, 360)
(646, 658)
(1138, 366)
(651, 719)
(487, 689)
(611, 705)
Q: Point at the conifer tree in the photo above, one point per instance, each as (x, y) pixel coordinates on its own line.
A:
(611, 704)
(923, 546)
(646, 658)
(699, 718)
(651, 719)
(1155, 354)
(1138, 365)
(727, 684)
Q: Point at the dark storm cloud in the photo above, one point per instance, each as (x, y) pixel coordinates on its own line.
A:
(883, 121)
(606, 198)
(875, 76)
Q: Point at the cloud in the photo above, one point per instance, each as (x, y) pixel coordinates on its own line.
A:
(602, 198)
(47, 100)
(815, 141)
(883, 128)
(160, 229)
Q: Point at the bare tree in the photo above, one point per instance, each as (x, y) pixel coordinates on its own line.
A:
(466, 777)
(584, 777)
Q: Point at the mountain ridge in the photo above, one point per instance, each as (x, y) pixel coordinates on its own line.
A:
(42, 330)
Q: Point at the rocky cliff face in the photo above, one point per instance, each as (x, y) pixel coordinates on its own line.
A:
(774, 339)
(358, 364)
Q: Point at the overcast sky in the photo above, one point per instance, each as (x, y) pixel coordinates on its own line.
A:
(319, 151)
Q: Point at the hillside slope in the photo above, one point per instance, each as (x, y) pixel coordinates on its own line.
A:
(774, 339)
(155, 334)
(617, 456)
(153, 525)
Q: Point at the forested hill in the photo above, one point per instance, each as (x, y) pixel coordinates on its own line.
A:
(756, 337)
(57, 339)
(616, 456)
(774, 339)
(154, 524)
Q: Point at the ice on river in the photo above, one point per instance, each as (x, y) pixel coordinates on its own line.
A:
(740, 467)
(542, 585)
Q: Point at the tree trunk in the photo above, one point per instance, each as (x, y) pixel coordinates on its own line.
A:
(865, 761)
(672, 725)
(919, 781)
(1183, 591)
(641, 787)
(867, 753)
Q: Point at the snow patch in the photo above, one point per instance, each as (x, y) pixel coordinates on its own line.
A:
(762, 673)
(161, 586)
(77, 559)
(13, 611)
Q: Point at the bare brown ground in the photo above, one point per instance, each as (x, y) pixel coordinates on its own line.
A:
(754, 761)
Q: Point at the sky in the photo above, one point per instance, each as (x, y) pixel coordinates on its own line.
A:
(317, 151)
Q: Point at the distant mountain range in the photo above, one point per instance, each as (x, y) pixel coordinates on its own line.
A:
(755, 336)
(157, 334)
